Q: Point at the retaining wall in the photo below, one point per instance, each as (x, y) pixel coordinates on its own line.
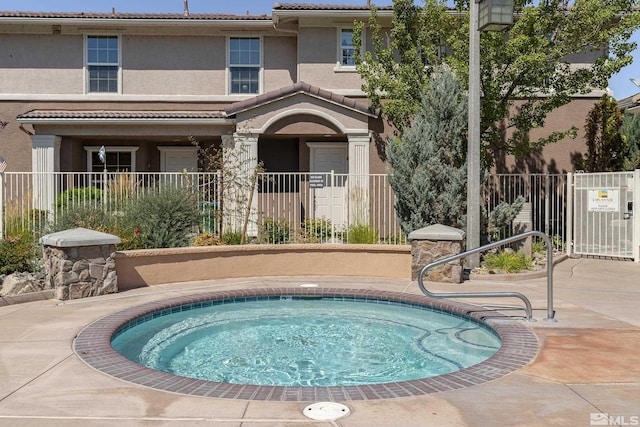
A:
(149, 267)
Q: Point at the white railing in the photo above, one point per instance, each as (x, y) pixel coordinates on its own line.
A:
(546, 196)
(285, 207)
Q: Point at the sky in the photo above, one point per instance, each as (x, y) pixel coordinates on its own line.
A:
(620, 84)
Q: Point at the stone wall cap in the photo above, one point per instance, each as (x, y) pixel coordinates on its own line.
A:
(79, 237)
(437, 232)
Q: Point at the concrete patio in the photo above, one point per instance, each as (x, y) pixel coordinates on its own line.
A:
(588, 363)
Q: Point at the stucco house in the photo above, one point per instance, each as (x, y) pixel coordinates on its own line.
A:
(282, 86)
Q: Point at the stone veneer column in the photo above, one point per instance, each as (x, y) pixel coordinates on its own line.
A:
(45, 159)
(433, 243)
(80, 263)
(359, 178)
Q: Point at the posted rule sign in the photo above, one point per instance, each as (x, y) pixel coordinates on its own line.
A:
(604, 200)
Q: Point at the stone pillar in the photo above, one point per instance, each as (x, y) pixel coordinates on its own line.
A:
(80, 263)
(432, 243)
(45, 159)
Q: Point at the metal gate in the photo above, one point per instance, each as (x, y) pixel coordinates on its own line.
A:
(606, 215)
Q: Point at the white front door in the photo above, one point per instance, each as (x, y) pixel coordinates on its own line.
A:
(178, 159)
(329, 201)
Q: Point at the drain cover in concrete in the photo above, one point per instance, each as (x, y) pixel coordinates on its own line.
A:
(326, 411)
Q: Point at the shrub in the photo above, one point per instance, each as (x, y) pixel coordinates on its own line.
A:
(508, 261)
(17, 254)
(78, 196)
(275, 231)
(362, 234)
(206, 239)
(162, 218)
(316, 230)
(31, 222)
(231, 238)
(86, 216)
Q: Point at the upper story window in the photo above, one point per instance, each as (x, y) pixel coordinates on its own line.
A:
(245, 62)
(347, 49)
(103, 63)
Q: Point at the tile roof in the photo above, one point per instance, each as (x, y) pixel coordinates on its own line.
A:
(132, 16)
(119, 115)
(312, 6)
(628, 102)
(296, 88)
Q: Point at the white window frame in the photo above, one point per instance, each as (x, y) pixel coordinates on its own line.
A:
(260, 66)
(94, 149)
(87, 83)
(339, 66)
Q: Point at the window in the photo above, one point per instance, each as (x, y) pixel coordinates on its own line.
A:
(117, 159)
(244, 65)
(103, 63)
(347, 49)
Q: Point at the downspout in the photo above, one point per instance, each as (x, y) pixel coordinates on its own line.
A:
(276, 21)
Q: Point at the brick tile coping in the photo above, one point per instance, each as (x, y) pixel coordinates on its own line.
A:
(93, 346)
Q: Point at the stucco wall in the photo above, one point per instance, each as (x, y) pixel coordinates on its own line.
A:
(319, 58)
(156, 266)
(562, 156)
(172, 65)
(41, 64)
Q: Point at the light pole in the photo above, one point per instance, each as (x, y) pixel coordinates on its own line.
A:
(484, 15)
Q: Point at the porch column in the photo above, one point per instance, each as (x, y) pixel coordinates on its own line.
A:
(359, 178)
(240, 159)
(45, 160)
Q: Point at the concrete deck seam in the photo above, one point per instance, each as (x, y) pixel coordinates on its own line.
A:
(71, 355)
(597, 409)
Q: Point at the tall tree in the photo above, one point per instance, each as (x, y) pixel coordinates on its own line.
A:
(525, 71)
(429, 161)
(630, 130)
(606, 148)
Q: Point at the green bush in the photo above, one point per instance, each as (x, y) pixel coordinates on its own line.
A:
(275, 231)
(77, 196)
(316, 230)
(508, 261)
(86, 216)
(17, 254)
(362, 234)
(161, 218)
(231, 238)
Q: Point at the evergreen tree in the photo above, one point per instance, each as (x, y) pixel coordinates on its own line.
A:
(524, 73)
(631, 133)
(429, 161)
(606, 148)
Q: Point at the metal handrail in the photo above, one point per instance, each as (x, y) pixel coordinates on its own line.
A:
(550, 311)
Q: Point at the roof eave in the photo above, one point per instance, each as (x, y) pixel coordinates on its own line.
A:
(373, 114)
(120, 121)
(335, 13)
(120, 22)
